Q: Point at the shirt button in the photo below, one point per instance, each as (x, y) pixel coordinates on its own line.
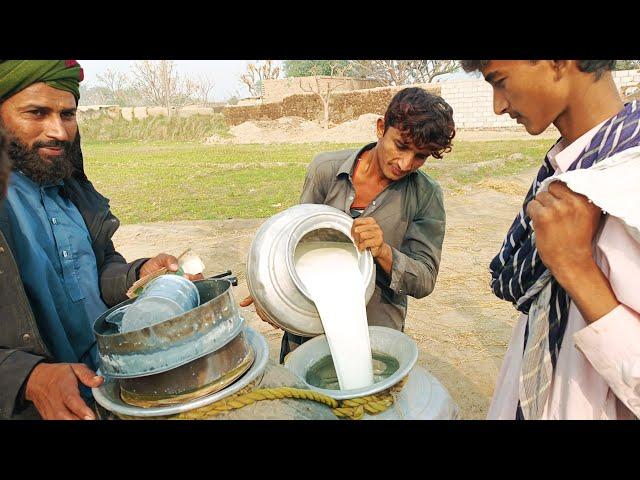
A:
(54, 220)
(65, 254)
(373, 203)
(26, 338)
(1, 250)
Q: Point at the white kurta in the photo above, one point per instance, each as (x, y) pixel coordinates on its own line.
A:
(597, 375)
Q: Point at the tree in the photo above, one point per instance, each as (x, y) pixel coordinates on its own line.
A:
(202, 85)
(324, 87)
(115, 83)
(308, 68)
(94, 95)
(627, 64)
(158, 83)
(256, 73)
(403, 72)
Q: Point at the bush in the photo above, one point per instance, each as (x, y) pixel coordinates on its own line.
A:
(189, 129)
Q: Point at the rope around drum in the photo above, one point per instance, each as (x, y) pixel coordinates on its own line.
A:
(352, 409)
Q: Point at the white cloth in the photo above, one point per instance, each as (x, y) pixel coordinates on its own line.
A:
(597, 375)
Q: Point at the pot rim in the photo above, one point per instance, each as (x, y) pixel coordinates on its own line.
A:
(403, 370)
(307, 225)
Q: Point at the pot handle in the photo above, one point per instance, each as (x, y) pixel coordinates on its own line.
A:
(225, 276)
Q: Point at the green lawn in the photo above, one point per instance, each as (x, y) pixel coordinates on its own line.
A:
(152, 181)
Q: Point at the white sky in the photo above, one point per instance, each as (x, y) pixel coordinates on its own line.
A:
(225, 73)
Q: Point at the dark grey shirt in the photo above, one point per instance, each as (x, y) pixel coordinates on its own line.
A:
(410, 213)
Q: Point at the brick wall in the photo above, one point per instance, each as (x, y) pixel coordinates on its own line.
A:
(344, 106)
(277, 89)
(472, 102)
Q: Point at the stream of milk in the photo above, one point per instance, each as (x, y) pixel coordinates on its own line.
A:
(329, 271)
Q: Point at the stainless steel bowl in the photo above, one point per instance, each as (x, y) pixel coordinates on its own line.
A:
(203, 376)
(108, 394)
(383, 339)
(174, 342)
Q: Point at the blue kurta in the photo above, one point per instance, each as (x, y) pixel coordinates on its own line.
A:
(52, 247)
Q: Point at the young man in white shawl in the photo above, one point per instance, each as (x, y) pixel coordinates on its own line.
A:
(570, 268)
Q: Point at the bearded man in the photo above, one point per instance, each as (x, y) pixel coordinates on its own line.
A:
(59, 269)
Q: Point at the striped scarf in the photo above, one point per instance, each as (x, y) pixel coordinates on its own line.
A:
(519, 276)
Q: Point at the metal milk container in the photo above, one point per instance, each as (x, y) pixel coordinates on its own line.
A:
(272, 279)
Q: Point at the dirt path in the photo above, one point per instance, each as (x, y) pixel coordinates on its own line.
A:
(462, 330)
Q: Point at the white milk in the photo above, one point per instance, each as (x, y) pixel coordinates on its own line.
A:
(329, 271)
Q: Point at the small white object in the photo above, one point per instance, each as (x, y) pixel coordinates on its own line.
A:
(191, 263)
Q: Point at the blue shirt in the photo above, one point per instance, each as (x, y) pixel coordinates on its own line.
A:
(52, 248)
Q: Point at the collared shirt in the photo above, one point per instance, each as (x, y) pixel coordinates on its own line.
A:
(597, 375)
(52, 247)
(410, 213)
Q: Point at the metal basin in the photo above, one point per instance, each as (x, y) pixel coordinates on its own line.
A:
(203, 376)
(173, 342)
(108, 394)
(383, 339)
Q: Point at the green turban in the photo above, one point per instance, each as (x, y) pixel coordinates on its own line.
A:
(16, 75)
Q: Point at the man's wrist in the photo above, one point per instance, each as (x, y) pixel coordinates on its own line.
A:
(138, 268)
(588, 288)
(28, 384)
(385, 258)
(572, 275)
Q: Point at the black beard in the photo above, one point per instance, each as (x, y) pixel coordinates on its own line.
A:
(31, 164)
(5, 165)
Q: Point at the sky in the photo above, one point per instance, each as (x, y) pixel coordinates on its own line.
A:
(226, 73)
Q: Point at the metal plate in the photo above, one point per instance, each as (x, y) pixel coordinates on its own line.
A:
(108, 395)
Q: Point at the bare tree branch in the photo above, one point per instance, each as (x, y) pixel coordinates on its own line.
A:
(331, 86)
(403, 72)
(115, 84)
(256, 73)
(158, 83)
(203, 85)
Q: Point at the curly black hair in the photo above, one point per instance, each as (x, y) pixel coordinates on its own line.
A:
(425, 119)
(5, 165)
(597, 67)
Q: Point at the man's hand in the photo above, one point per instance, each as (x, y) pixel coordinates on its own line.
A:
(53, 389)
(565, 224)
(263, 316)
(165, 260)
(367, 234)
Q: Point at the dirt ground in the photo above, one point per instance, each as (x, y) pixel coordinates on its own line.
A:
(462, 330)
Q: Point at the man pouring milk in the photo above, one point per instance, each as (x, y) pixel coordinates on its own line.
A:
(398, 209)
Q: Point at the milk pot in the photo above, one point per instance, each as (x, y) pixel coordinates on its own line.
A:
(271, 274)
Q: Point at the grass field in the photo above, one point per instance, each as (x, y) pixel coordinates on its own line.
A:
(153, 181)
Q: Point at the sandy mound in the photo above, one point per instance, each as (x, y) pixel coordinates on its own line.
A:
(361, 130)
(299, 130)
